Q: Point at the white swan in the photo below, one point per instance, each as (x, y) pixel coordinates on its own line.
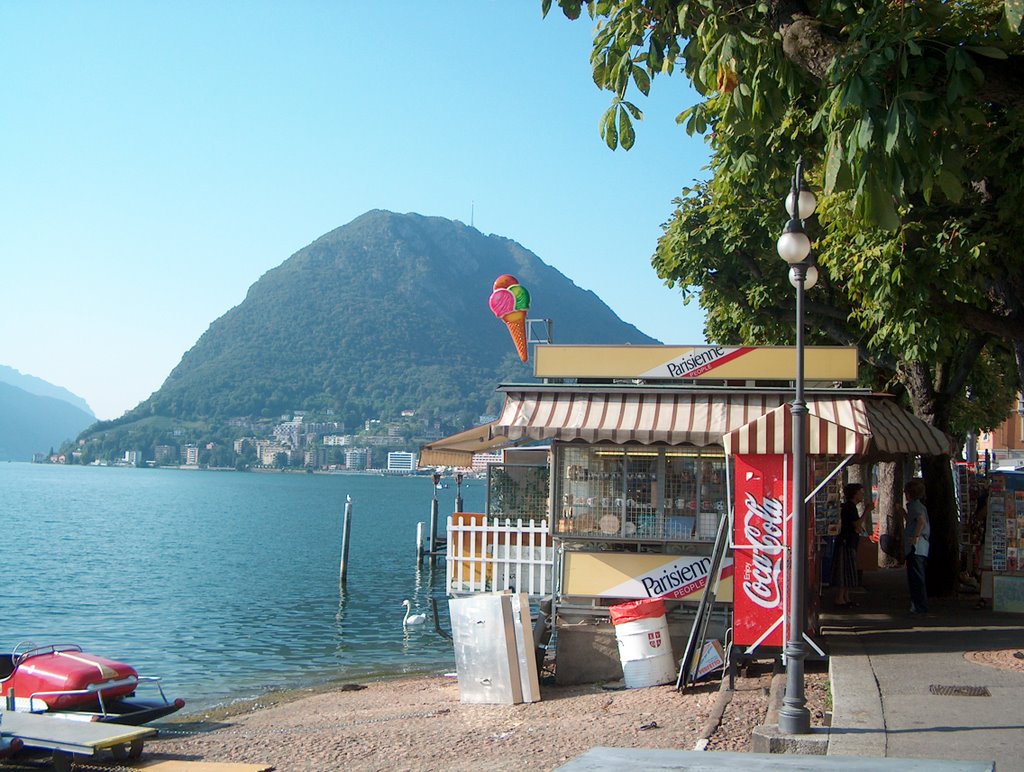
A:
(412, 619)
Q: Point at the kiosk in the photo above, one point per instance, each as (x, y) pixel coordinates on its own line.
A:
(653, 446)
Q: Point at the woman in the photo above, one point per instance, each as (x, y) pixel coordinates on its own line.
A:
(844, 559)
(915, 545)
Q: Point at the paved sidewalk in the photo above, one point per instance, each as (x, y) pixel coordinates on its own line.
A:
(901, 682)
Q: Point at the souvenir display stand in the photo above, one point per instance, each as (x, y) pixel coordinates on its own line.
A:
(1003, 556)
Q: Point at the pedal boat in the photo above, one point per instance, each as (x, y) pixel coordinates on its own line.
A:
(65, 681)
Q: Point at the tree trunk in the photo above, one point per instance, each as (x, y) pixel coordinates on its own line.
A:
(890, 514)
(944, 546)
(933, 407)
(861, 473)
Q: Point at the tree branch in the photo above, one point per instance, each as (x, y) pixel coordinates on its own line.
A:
(1002, 326)
(805, 40)
(1002, 85)
(962, 364)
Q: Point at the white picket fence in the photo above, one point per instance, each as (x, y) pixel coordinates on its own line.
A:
(487, 555)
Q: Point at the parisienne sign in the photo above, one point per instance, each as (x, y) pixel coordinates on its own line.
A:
(697, 361)
(694, 362)
(641, 575)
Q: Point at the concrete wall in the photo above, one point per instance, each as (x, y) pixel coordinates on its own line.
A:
(587, 652)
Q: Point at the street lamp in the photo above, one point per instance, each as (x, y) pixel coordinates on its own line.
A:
(795, 248)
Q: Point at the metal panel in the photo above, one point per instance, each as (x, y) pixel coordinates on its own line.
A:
(485, 650)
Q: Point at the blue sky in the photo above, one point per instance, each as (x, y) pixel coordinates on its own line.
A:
(158, 158)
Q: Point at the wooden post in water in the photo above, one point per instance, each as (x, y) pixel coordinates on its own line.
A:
(458, 491)
(433, 519)
(345, 531)
(419, 542)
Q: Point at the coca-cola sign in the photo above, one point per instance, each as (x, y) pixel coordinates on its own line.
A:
(761, 536)
(762, 527)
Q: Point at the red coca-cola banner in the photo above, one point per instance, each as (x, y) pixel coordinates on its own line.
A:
(761, 509)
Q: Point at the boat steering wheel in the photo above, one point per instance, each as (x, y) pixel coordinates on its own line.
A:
(20, 650)
(26, 649)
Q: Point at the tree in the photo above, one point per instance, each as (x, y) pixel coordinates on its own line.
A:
(908, 118)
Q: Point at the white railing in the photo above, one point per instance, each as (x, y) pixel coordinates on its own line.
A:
(491, 554)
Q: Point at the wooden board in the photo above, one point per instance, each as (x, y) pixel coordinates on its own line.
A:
(54, 733)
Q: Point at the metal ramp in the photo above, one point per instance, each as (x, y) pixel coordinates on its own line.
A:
(69, 738)
(706, 608)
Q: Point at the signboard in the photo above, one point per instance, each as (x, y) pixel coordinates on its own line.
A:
(1008, 594)
(770, 363)
(711, 659)
(761, 534)
(632, 575)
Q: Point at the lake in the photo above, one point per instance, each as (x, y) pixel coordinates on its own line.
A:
(224, 583)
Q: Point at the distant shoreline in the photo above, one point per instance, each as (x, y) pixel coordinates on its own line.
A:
(254, 470)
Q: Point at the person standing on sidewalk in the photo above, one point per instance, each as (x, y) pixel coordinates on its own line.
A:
(915, 544)
(844, 558)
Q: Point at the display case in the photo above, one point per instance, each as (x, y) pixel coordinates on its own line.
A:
(642, 493)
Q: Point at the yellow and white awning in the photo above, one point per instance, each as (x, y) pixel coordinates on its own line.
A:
(741, 421)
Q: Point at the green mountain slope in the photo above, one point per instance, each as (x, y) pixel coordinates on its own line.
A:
(30, 423)
(385, 314)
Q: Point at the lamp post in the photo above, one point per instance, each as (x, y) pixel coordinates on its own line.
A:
(795, 248)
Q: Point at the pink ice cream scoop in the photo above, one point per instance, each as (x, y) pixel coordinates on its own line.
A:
(502, 301)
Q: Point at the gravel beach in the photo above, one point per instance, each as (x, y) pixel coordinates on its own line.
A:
(419, 723)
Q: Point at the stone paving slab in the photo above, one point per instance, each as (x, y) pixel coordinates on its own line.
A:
(651, 760)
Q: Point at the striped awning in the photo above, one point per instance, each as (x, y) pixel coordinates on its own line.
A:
(874, 427)
(673, 418)
(458, 449)
(773, 433)
(870, 427)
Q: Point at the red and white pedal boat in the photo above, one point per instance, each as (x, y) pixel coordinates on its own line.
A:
(62, 679)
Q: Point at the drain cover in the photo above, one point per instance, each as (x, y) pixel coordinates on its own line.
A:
(959, 691)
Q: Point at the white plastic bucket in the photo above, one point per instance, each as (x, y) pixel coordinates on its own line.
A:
(645, 650)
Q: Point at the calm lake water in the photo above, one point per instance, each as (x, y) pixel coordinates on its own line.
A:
(226, 584)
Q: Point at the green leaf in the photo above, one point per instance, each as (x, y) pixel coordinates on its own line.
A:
(892, 129)
(1015, 14)
(990, 51)
(867, 129)
(633, 110)
(916, 96)
(627, 136)
(833, 161)
(880, 206)
(950, 185)
(641, 79)
(607, 129)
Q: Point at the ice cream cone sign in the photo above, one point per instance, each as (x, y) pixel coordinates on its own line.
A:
(510, 301)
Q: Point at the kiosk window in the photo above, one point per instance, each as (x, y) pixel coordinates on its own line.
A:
(640, 493)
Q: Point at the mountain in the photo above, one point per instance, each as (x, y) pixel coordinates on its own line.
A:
(42, 388)
(30, 423)
(385, 314)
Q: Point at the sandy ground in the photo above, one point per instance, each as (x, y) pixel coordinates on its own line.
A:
(420, 724)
